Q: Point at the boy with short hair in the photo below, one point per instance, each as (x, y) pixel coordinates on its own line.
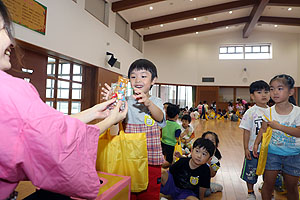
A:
(251, 123)
(170, 134)
(145, 114)
(189, 177)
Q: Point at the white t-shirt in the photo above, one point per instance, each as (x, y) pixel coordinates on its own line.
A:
(281, 143)
(252, 121)
(190, 132)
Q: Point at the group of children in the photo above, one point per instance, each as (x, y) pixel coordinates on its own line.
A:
(283, 154)
(190, 176)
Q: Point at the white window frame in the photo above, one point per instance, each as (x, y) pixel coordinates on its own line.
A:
(233, 52)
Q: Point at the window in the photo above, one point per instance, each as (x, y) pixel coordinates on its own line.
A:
(64, 86)
(246, 51)
(168, 93)
(154, 90)
(231, 52)
(99, 9)
(178, 95)
(185, 96)
(258, 51)
(122, 27)
(137, 41)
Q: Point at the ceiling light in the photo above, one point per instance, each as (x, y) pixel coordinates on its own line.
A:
(150, 8)
(230, 12)
(161, 25)
(289, 9)
(227, 27)
(191, 0)
(197, 32)
(275, 25)
(195, 18)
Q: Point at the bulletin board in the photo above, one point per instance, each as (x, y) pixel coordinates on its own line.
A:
(28, 13)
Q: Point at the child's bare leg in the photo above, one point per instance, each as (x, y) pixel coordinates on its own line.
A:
(250, 186)
(291, 184)
(191, 198)
(165, 165)
(164, 176)
(269, 183)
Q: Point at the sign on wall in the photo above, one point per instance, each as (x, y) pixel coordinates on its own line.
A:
(28, 13)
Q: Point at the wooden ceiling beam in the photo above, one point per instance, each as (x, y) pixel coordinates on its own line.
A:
(192, 13)
(293, 3)
(280, 21)
(193, 29)
(254, 16)
(127, 4)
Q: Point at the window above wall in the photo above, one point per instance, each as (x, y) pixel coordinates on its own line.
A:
(245, 51)
(99, 9)
(122, 27)
(137, 41)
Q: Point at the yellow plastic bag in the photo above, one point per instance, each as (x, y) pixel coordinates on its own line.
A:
(124, 154)
(178, 148)
(262, 160)
(206, 117)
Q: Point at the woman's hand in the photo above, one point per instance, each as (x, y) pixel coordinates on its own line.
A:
(115, 115)
(106, 91)
(102, 109)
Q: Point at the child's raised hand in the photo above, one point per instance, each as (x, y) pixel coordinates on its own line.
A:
(141, 97)
(177, 154)
(106, 91)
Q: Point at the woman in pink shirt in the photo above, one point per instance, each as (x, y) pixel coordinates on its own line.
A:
(38, 143)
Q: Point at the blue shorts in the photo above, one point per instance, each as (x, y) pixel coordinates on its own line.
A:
(249, 170)
(288, 164)
(171, 189)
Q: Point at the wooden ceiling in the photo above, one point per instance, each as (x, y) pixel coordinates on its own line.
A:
(137, 13)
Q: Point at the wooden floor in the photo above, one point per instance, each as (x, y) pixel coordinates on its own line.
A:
(231, 148)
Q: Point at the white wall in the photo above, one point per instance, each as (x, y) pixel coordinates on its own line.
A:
(72, 31)
(185, 60)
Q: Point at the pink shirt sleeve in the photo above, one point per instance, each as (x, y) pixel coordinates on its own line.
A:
(54, 151)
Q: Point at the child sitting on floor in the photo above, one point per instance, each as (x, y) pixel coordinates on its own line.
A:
(214, 164)
(186, 135)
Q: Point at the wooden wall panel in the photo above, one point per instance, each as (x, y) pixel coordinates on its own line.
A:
(207, 93)
(89, 87)
(31, 60)
(105, 76)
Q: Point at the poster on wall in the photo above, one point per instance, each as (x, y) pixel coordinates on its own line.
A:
(28, 13)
